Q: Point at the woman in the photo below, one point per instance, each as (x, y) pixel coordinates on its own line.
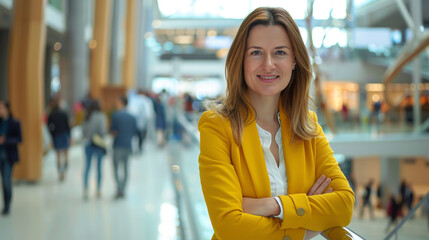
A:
(293, 188)
(59, 127)
(94, 127)
(10, 137)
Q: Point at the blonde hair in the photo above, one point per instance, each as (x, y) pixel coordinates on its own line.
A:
(235, 105)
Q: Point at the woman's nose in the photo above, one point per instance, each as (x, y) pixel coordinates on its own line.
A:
(268, 62)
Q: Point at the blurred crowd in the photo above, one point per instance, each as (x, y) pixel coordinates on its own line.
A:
(373, 198)
(135, 118)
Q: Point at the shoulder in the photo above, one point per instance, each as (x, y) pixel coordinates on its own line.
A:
(211, 117)
(313, 121)
(312, 115)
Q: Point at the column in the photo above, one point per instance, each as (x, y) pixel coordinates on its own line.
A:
(416, 12)
(4, 37)
(25, 81)
(130, 45)
(390, 176)
(47, 74)
(145, 18)
(74, 62)
(116, 35)
(100, 48)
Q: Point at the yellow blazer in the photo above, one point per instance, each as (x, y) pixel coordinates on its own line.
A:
(230, 172)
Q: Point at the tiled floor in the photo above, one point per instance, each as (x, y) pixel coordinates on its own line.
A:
(53, 210)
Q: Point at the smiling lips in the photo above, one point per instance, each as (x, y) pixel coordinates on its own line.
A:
(268, 78)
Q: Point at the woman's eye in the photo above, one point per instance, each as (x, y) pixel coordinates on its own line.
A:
(257, 52)
(280, 52)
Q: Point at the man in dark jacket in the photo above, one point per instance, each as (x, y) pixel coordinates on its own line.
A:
(10, 136)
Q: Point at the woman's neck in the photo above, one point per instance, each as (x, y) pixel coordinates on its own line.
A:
(266, 107)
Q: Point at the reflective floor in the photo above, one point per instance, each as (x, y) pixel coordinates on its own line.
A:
(51, 209)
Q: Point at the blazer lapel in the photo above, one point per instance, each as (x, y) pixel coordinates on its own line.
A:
(292, 155)
(254, 157)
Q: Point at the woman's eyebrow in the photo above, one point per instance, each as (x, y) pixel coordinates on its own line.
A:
(279, 47)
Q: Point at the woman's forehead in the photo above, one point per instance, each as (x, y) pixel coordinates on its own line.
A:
(268, 35)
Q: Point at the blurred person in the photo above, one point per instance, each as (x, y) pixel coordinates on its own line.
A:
(136, 107)
(379, 196)
(149, 113)
(167, 101)
(94, 131)
(59, 127)
(409, 109)
(352, 183)
(376, 109)
(366, 199)
(160, 122)
(79, 113)
(123, 127)
(409, 197)
(393, 211)
(345, 113)
(10, 137)
(267, 170)
(188, 107)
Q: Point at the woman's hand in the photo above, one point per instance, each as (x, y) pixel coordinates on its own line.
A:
(320, 186)
(261, 206)
(269, 207)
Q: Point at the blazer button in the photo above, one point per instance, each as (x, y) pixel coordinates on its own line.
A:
(300, 211)
(286, 238)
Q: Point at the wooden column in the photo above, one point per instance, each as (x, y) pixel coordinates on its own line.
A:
(130, 45)
(26, 58)
(100, 48)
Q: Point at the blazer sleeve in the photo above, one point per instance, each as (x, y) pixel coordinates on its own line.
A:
(221, 187)
(324, 211)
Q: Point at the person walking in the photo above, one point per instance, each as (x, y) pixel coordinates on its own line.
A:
(366, 200)
(94, 131)
(393, 211)
(59, 127)
(160, 122)
(10, 137)
(123, 128)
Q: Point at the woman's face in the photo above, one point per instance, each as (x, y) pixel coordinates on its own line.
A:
(268, 60)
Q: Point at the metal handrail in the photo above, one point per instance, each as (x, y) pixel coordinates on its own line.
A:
(342, 233)
(408, 217)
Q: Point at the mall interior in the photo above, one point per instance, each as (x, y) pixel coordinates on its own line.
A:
(370, 59)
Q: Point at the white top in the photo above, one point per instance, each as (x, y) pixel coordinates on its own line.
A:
(277, 174)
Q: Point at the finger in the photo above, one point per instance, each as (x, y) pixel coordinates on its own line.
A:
(316, 185)
(329, 190)
(322, 186)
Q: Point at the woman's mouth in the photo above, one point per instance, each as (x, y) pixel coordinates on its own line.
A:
(268, 78)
